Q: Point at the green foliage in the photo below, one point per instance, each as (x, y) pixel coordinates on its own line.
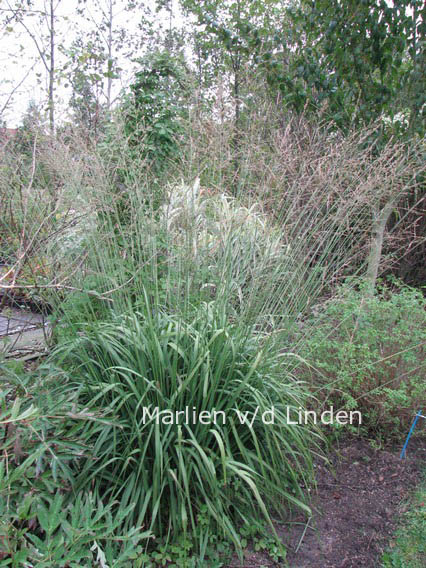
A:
(238, 26)
(41, 522)
(253, 534)
(171, 472)
(182, 553)
(233, 40)
(85, 62)
(43, 530)
(181, 296)
(82, 305)
(408, 550)
(157, 106)
(369, 354)
(359, 57)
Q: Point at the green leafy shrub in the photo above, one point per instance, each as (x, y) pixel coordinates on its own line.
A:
(368, 353)
(42, 523)
(172, 472)
(154, 112)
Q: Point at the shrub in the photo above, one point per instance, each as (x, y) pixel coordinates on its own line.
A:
(369, 354)
(39, 524)
(227, 473)
(158, 104)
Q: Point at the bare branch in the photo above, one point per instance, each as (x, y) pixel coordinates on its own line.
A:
(9, 98)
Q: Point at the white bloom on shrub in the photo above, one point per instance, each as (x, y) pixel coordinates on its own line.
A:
(401, 119)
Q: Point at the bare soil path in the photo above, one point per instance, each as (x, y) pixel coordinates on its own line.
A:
(356, 508)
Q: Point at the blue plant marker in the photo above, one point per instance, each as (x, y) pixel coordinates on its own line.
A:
(413, 425)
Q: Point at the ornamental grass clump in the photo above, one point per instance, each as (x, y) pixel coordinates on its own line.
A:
(233, 251)
(141, 369)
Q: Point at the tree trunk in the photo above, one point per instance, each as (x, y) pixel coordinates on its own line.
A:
(380, 219)
(110, 62)
(52, 70)
(236, 65)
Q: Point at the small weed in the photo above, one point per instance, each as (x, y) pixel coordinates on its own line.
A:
(255, 534)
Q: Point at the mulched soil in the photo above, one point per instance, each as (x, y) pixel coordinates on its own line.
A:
(356, 509)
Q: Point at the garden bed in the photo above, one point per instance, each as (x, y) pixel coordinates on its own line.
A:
(356, 508)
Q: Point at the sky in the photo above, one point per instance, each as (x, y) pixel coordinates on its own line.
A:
(22, 70)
